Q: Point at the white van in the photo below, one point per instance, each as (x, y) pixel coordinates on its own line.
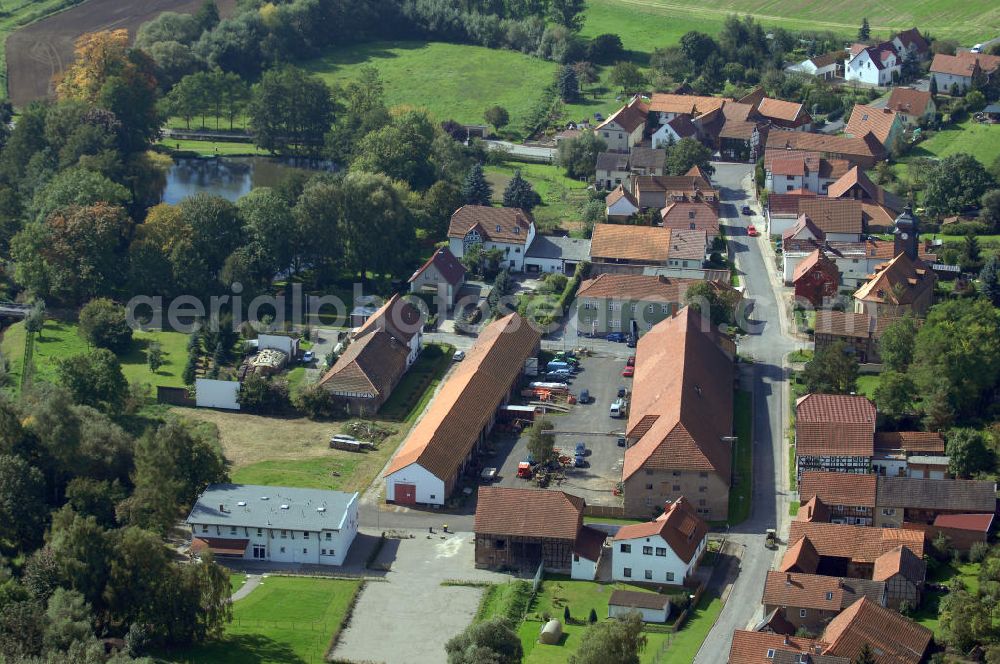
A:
(618, 408)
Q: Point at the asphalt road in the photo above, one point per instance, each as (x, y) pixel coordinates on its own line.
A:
(768, 344)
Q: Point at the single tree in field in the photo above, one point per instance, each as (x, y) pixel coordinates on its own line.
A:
(519, 193)
(154, 356)
(612, 642)
(541, 445)
(567, 84)
(476, 190)
(586, 73)
(497, 116)
(627, 76)
(865, 31)
(832, 370)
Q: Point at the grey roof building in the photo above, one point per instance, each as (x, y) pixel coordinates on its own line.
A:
(254, 506)
(551, 253)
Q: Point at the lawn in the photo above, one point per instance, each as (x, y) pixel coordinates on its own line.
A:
(647, 24)
(60, 340)
(558, 592)
(418, 384)
(236, 580)
(979, 140)
(927, 615)
(293, 451)
(867, 384)
(739, 494)
(452, 81)
(211, 148)
(285, 619)
(561, 196)
(688, 640)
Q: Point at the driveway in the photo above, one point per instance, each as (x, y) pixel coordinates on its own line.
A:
(408, 617)
(323, 341)
(768, 343)
(588, 423)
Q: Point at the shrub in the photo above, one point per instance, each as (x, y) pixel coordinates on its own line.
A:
(316, 403)
(103, 325)
(978, 552)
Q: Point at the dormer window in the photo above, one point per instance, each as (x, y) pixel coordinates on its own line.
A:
(517, 230)
(498, 228)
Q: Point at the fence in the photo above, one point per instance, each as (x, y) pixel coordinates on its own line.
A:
(607, 511)
(175, 396)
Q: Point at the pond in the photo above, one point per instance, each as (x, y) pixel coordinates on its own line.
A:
(232, 177)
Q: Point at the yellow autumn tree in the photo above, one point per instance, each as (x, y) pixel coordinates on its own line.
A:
(98, 56)
(164, 227)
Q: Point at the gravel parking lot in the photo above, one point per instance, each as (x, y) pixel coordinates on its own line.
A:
(588, 423)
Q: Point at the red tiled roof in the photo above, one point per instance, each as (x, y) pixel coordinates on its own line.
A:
(787, 203)
(833, 215)
(450, 269)
(834, 424)
(803, 223)
(909, 101)
(468, 399)
(777, 109)
(902, 561)
(618, 194)
(693, 105)
(629, 117)
(848, 489)
(753, 647)
(826, 143)
(813, 510)
(789, 166)
(901, 281)
(892, 638)
(814, 259)
(911, 441)
(827, 59)
(528, 513)
(812, 591)
(679, 526)
(964, 63)
(978, 522)
(496, 224)
(801, 556)
(865, 119)
(681, 216)
(638, 287)
(862, 544)
(844, 324)
(630, 243)
(679, 417)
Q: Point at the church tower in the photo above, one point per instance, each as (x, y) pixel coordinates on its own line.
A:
(904, 234)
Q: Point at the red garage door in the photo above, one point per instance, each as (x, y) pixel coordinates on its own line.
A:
(406, 494)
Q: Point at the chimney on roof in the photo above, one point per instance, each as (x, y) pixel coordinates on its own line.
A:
(222, 508)
(785, 640)
(788, 578)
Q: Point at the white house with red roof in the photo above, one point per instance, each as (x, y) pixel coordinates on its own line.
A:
(442, 274)
(874, 65)
(510, 230)
(665, 550)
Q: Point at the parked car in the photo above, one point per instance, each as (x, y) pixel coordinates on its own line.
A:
(752, 230)
(308, 357)
(978, 48)
(628, 372)
(746, 210)
(458, 356)
(598, 117)
(579, 462)
(631, 361)
(524, 470)
(617, 337)
(556, 377)
(584, 396)
(618, 408)
(581, 449)
(621, 441)
(622, 391)
(630, 341)
(488, 475)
